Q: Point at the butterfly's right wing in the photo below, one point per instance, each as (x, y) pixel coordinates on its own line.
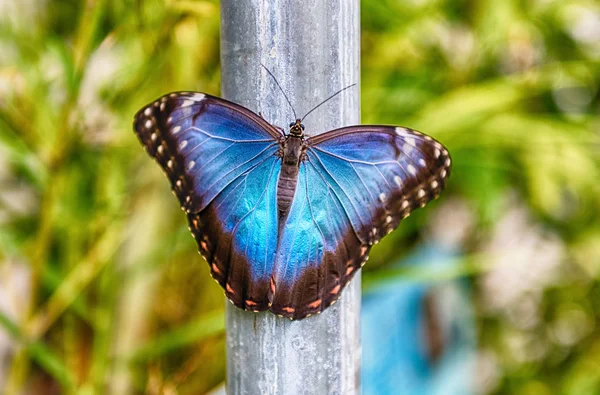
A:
(223, 166)
(355, 186)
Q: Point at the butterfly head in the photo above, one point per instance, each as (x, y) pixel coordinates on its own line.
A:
(296, 128)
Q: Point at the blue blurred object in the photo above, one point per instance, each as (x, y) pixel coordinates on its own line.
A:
(418, 338)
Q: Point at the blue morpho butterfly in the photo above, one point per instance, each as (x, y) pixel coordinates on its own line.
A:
(285, 220)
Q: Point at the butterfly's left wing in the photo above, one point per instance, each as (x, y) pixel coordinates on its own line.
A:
(223, 164)
(355, 185)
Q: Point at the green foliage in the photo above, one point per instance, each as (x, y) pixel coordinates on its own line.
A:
(104, 290)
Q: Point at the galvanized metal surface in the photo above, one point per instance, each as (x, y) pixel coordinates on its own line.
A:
(312, 47)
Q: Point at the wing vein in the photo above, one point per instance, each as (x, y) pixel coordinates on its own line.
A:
(240, 165)
(212, 136)
(335, 192)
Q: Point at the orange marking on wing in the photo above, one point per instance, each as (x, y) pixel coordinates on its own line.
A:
(315, 304)
(335, 289)
(349, 270)
(229, 289)
(216, 269)
(251, 303)
(272, 286)
(288, 309)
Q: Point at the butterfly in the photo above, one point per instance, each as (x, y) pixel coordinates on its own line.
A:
(285, 220)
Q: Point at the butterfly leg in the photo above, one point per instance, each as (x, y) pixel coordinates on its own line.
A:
(280, 129)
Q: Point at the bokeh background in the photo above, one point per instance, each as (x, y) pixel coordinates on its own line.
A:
(102, 290)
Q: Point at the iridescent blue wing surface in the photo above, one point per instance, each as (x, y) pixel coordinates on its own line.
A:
(237, 234)
(355, 185)
(221, 160)
(318, 249)
(380, 173)
(203, 142)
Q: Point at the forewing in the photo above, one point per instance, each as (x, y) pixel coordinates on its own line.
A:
(203, 143)
(380, 174)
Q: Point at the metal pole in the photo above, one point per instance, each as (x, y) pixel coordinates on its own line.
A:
(312, 47)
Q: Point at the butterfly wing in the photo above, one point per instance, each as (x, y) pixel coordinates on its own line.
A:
(380, 173)
(318, 252)
(355, 186)
(222, 163)
(203, 143)
(237, 235)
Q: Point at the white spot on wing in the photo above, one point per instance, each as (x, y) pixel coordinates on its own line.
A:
(412, 170)
(148, 111)
(191, 165)
(398, 180)
(404, 204)
(183, 144)
(421, 193)
(400, 131)
(148, 123)
(187, 103)
(382, 197)
(176, 129)
(422, 162)
(434, 184)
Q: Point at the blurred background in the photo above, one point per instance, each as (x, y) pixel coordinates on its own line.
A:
(102, 289)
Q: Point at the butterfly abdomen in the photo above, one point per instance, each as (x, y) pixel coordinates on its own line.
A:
(288, 178)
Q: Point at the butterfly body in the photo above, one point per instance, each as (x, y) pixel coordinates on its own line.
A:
(284, 220)
(292, 152)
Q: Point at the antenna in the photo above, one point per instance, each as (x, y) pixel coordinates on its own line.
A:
(281, 89)
(325, 101)
(288, 100)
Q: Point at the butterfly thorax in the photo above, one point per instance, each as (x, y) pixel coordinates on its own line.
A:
(293, 150)
(296, 128)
